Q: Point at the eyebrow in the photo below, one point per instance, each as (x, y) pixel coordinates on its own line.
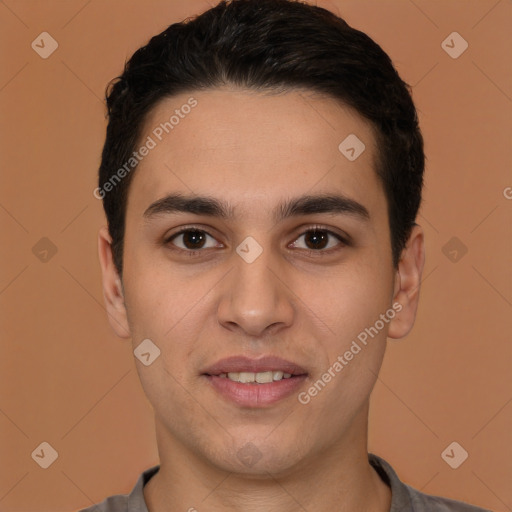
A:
(303, 205)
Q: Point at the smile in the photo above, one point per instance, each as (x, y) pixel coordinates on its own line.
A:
(258, 378)
(253, 383)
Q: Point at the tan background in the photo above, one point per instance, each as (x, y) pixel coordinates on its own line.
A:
(67, 380)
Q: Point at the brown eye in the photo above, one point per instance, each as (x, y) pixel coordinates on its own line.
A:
(192, 239)
(318, 240)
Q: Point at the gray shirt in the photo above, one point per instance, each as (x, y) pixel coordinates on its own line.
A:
(403, 497)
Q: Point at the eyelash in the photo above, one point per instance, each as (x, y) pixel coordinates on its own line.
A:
(193, 253)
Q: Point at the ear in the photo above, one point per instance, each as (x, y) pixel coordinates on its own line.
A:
(407, 284)
(112, 286)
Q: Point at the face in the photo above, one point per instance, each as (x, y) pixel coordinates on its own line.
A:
(282, 272)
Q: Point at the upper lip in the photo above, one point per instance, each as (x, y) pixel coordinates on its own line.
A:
(246, 364)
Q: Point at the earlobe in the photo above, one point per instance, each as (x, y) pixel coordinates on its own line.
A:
(112, 286)
(407, 284)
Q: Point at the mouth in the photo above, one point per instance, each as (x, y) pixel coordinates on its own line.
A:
(258, 378)
(255, 382)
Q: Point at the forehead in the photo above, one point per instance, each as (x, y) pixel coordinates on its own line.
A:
(251, 148)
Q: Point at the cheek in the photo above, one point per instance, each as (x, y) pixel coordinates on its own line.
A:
(172, 312)
(351, 304)
(350, 299)
(159, 301)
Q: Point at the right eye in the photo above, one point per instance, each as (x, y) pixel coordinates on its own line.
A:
(191, 240)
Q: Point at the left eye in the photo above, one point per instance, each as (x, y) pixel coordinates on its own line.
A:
(317, 239)
(192, 239)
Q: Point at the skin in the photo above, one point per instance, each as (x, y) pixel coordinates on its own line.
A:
(253, 151)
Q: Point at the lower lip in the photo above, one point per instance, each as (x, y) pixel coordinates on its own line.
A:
(256, 395)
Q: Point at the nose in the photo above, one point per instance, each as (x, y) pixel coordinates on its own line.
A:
(256, 299)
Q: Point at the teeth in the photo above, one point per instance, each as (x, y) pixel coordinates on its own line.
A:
(259, 378)
(246, 377)
(263, 377)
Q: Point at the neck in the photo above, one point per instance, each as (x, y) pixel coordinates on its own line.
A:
(340, 479)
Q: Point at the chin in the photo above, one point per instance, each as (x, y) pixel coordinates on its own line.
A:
(257, 459)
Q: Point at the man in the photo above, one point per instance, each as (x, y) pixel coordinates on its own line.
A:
(261, 178)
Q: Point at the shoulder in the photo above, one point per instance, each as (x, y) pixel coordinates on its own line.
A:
(133, 502)
(406, 498)
(427, 502)
(118, 503)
